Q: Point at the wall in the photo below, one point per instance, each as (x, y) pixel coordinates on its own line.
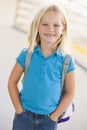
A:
(7, 12)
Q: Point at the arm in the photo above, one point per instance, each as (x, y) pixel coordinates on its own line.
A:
(13, 88)
(68, 96)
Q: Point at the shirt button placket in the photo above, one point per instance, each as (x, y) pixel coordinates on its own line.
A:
(43, 67)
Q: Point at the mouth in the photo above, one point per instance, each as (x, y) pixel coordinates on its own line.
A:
(49, 35)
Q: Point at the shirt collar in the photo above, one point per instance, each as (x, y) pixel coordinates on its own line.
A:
(57, 52)
(37, 48)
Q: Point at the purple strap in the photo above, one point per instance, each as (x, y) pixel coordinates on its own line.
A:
(63, 120)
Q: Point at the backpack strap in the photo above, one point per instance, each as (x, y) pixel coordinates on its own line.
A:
(27, 62)
(65, 68)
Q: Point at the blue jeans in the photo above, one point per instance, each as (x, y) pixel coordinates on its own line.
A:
(31, 121)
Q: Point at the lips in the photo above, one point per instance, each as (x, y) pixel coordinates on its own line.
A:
(49, 35)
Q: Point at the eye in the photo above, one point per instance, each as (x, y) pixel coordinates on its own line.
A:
(45, 24)
(56, 25)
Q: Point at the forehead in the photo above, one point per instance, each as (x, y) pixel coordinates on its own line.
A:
(51, 16)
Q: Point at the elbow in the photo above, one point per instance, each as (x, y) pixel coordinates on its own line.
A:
(11, 84)
(69, 95)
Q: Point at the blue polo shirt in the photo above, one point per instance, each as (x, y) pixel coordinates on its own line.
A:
(42, 83)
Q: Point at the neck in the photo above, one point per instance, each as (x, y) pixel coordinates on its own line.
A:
(46, 50)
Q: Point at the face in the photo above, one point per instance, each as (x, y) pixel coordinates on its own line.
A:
(51, 28)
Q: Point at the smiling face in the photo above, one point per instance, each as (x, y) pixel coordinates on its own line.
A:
(51, 28)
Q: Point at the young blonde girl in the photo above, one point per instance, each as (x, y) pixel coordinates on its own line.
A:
(38, 105)
(33, 36)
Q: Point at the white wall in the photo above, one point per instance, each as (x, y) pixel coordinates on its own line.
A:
(7, 11)
(9, 44)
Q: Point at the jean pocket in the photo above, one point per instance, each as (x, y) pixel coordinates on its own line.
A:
(19, 114)
(51, 120)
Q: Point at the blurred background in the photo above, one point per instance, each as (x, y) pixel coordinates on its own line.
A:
(15, 17)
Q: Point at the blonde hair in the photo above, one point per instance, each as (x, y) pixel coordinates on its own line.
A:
(33, 36)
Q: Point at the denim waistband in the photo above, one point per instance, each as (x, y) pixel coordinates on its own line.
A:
(35, 114)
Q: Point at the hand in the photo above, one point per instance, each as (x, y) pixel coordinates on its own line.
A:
(53, 117)
(19, 111)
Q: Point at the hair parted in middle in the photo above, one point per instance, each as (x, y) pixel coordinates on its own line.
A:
(33, 36)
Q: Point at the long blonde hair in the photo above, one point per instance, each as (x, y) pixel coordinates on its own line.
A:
(33, 36)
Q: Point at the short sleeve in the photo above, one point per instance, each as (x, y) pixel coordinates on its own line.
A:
(72, 65)
(21, 57)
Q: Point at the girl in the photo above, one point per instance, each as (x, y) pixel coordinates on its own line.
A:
(37, 105)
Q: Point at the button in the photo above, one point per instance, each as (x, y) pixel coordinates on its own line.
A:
(44, 63)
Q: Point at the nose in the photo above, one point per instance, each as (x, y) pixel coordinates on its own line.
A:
(50, 28)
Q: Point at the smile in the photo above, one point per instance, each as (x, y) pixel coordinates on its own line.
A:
(49, 35)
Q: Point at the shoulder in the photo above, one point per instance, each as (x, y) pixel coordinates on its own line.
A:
(24, 51)
(68, 59)
(22, 56)
(67, 56)
(63, 55)
(71, 62)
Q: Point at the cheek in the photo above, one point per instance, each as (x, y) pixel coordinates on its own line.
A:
(60, 31)
(41, 29)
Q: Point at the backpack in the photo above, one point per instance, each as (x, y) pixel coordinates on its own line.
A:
(69, 111)
(71, 108)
